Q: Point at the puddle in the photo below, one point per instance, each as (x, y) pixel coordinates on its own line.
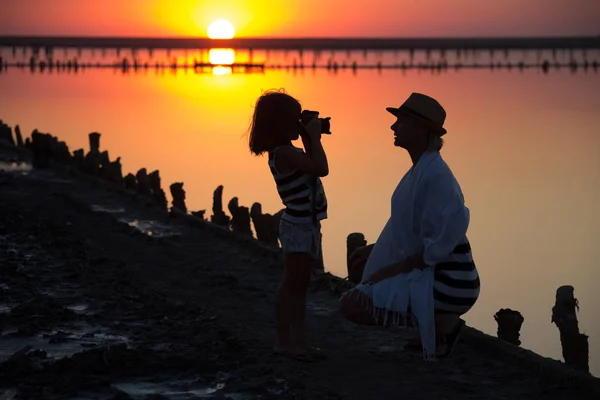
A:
(320, 310)
(173, 390)
(151, 228)
(59, 343)
(5, 308)
(8, 394)
(79, 308)
(109, 210)
(4, 286)
(16, 167)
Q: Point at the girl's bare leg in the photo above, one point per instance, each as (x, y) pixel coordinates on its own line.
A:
(290, 302)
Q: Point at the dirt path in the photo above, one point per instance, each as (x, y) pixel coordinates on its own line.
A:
(109, 312)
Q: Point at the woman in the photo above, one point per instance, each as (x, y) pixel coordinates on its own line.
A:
(420, 271)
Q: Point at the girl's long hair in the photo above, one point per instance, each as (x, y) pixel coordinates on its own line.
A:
(276, 114)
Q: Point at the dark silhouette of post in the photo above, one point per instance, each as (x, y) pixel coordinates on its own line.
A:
(240, 217)
(354, 241)
(575, 346)
(143, 183)
(6, 134)
(266, 226)
(219, 217)
(130, 182)
(509, 325)
(158, 194)
(178, 196)
(19, 136)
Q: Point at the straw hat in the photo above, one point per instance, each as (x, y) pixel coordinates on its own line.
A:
(424, 109)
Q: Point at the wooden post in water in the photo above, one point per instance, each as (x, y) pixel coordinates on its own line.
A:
(6, 134)
(143, 183)
(158, 194)
(240, 217)
(219, 217)
(575, 346)
(509, 325)
(354, 241)
(19, 136)
(266, 226)
(178, 195)
(130, 182)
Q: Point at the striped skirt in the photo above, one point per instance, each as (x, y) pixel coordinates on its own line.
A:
(456, 282)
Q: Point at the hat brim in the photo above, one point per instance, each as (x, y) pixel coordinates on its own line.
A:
(396, 112)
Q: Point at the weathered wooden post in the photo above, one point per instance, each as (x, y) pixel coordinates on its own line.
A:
(219, 217)
(79, 159)
(353, 242)
(265, 225)
(104, 164)
(240, 217)
(158, 194)
(130, 182)
(92, 158)
(199, 214)
(19, 136)
(509, 325)
(115, 171)
(178, 195)
(94, 142)
(143, 183)
(40, 145)
(6, 134)
(575, 346)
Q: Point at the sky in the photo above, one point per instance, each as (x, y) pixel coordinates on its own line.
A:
(303, 18)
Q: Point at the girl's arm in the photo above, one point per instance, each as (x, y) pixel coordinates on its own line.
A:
(314, 162)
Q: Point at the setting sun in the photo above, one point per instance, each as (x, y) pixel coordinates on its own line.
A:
(221, 29)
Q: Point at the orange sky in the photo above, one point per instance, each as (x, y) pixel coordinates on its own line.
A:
(293, 18)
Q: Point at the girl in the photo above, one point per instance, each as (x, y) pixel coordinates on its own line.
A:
(275, 124)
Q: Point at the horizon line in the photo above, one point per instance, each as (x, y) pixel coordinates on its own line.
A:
(305, 43)
(189, 37)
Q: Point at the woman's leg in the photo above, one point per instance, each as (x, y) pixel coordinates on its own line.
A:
(445, 323)
(357, 307)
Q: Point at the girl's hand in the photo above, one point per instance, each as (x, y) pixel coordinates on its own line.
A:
(313, 129)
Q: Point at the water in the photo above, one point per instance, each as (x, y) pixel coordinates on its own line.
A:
(525, 146)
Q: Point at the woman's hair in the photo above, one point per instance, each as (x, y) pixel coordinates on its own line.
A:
(435, 143)
(275, 115)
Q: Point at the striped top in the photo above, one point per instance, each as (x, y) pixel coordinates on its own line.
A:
(301, 193)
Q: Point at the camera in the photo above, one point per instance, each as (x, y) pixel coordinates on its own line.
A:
(307, 115)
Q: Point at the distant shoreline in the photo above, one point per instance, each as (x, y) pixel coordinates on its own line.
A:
(260, 43)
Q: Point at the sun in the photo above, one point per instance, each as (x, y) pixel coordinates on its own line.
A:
(221, 29)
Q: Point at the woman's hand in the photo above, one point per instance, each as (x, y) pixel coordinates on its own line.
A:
(383, 273)
(402, 267)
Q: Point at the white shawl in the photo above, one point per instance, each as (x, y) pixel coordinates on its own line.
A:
(428, 216)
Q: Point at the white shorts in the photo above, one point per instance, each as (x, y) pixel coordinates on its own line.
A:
(300, 238)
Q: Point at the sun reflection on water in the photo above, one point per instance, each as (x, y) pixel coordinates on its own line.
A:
(221, 70)
(221, 56)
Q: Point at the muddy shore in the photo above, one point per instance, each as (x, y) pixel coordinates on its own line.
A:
(103, 295)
